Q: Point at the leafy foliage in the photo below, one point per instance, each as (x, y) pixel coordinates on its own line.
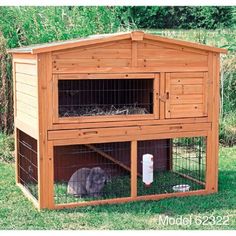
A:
(6, 98)
(21, 26)
(28, 25)
(181, 17)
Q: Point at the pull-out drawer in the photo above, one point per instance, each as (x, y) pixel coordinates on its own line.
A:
(82, 134)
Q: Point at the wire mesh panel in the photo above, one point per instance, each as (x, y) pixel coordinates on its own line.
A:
(91, 172)
(174, 165)
(27, 163)
(103, 97)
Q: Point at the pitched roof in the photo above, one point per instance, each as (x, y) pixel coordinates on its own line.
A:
(102, 38)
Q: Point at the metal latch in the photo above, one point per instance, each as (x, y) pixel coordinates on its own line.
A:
(164, 97)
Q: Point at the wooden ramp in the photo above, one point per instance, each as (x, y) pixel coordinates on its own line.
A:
(109, 157)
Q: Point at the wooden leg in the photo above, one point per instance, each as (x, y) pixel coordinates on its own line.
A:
(50, 161)
(211, 172)
(134, 169)
(17, 156)
(42, 172)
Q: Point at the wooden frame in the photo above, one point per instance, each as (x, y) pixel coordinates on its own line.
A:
(87, 119)
(132, 55)
(194, 80)
(133, 194)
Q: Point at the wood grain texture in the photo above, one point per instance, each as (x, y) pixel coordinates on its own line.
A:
(187, 95)
(123, 138)
(130, 199)
(128, 53)
(214, 134)
(26, 92)
(44, 73)
(134, 167)
(84, 134)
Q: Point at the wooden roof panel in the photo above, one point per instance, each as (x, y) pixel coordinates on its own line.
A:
(96, 39)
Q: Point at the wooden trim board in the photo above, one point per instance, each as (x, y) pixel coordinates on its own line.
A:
(130, 199)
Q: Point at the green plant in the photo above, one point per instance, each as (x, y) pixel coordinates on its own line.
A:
(6, 148)
(181, 17)
(6, 98)
(228, 129)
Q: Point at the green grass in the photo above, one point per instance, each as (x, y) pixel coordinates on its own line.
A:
(120, 187)
(228, 129)
(6, 147)
(16, 212)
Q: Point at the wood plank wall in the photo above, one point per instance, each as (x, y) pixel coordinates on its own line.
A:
(128, 54)
(26, 94)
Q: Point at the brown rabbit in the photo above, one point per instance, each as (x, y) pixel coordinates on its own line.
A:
(87, 182)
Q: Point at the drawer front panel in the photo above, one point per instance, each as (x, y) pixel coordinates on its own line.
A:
(82, 134)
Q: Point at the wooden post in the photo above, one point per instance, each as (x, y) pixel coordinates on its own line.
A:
(134, 57)
(50, 169)
(162, 91)
(44, 74)
(156, 91)
(134, 169)
(213, 135)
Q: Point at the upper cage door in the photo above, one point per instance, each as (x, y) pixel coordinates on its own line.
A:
(186, 95)
(105, 97)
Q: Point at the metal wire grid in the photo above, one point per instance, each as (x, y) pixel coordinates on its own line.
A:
(27, 164)
(114, 179)
(186, 165)
(189, 157)
(178, 161)
(105, 97)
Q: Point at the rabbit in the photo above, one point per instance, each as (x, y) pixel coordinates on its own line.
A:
(77, 183)
(87, 182)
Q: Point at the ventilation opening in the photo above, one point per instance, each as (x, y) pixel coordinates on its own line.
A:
(105, 97)
(27, 163)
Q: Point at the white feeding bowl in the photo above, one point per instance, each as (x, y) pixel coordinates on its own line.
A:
(181, 188)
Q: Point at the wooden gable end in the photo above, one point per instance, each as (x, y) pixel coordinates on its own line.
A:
(134, 54)
(158, 54)
(113, 54)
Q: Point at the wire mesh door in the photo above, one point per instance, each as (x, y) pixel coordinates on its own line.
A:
(171, 165)
(104, 97)
(91, 172)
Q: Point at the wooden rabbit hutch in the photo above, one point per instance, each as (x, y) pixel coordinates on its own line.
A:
(89, 111)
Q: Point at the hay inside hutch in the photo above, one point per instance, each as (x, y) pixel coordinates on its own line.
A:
(115, 118)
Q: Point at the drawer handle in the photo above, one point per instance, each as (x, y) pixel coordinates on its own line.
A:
(176, 127)
(89, 132)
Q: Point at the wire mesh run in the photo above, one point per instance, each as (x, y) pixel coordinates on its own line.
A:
(183, 170)
(103, 171)
(105, 97)
(91, 172)
(27, 163)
